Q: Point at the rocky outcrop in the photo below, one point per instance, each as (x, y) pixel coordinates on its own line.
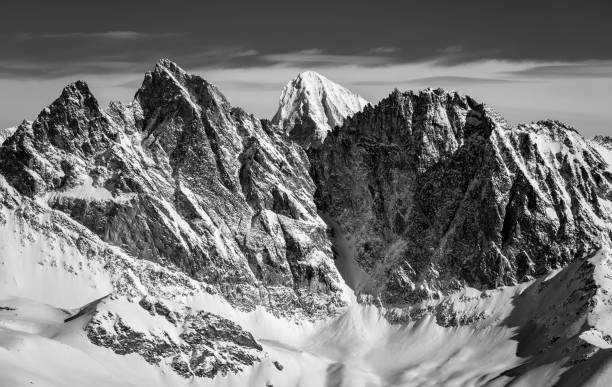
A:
(439, 192)
(197, 344)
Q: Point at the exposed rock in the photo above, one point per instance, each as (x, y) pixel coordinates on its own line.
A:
(439, 193)
(181, 178)
(207, 344)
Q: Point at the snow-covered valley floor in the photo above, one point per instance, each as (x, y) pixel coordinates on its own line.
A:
(358, 348)
(553, 330)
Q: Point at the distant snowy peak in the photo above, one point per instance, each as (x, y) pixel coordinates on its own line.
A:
(603, 142)
(8, 132)
(312, 105)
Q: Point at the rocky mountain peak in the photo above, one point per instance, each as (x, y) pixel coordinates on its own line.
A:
(168, 89)
(432, 123)
(179, 177)
(75, 98)
(311, 105)
(439, 193)
(169, 65)
(77, 88)
(71, 129)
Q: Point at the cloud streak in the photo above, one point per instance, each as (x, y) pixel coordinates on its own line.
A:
(447, 80)
(318, 57)
(109, 35)
(588, 69)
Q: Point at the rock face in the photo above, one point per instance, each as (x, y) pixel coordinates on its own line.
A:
(439, 192)
(180, 177)
(311, 105)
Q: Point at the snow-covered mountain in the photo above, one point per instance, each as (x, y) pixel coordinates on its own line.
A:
(197, 198)
(7, 132)
(180, 177)
(311, 105)
(178, 241)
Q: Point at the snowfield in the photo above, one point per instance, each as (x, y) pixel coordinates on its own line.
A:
(358, 348)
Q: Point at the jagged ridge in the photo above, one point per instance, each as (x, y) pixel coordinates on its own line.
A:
(438, 193)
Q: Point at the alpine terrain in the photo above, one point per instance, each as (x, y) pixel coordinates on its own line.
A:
(176, 240)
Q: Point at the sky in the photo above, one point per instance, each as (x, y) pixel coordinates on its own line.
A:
(529, 60)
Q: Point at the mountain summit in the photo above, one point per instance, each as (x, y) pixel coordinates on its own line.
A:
(312, 105)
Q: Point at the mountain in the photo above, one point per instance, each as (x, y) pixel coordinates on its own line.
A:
(176, 240)
(217, 200)
(8, 132)
(180, 177)
(311, 105)
(437, 192)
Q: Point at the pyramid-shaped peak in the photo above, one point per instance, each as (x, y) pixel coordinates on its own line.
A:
(310, 74)
(311, 105)
(167, 64)
(170, 87)
(75, 95)
(312, 79)
(78, 88)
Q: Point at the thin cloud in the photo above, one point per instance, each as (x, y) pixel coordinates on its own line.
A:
(589, 69)
(246, 53)
(384, 50)
(317, 57)
(439, 80)
(450, 50)
(256, 87)
(456, 55)
(30, 70)
(110, 35)
(137, 58)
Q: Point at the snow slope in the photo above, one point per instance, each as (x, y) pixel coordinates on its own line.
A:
(358, 348)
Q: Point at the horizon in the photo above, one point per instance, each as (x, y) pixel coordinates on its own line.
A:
(553, 62)
(106, 100)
